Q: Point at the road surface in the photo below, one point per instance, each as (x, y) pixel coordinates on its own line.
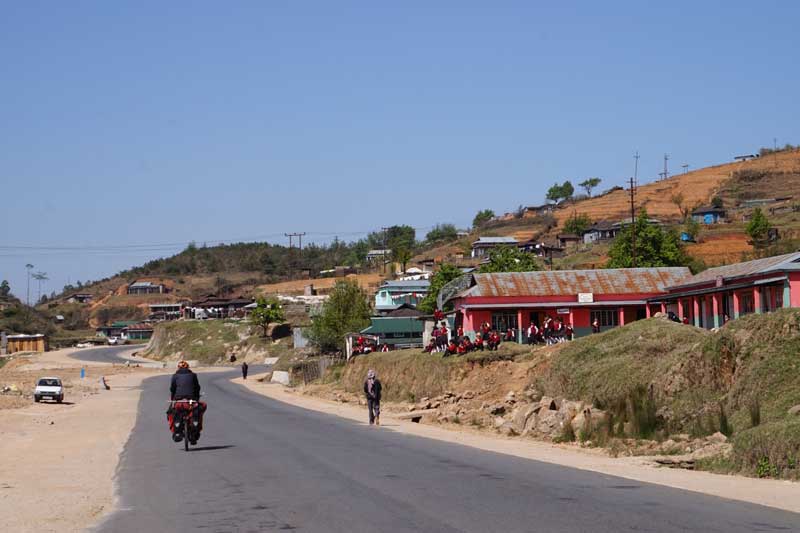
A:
(262, 465)
(106, 354)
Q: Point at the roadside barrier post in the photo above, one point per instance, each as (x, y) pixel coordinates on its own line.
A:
(83, 372)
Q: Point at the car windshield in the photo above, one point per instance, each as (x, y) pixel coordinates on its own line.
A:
(49, 383)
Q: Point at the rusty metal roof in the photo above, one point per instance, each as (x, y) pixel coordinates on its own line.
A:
(572, 282)
(777, 263)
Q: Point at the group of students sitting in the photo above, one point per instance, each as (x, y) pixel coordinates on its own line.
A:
(553, 331)
(460, 344)
(363, 346)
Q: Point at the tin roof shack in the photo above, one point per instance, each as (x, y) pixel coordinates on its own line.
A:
(568, 240)
(709, 215)
(80, 297)
(26, 343)
(396, 331)
(140, 332)
(215, 307)
(146, 287)
(116, 329)
(719, 294)
(516, 299)
(600, 231)
(393, 294)
(484, 245)
(166, 311)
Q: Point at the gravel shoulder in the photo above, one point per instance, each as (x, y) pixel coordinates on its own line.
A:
(59, 460)
(772, 493)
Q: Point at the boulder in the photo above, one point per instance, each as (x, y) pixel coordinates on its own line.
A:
(508, 430)
(717, 438)
(497, 409)
(549, 423)
(594, 418)
(511, 397)
(548, 403)
(498, 422)
(532, 395)
(521, 415)
(795, 410)
(570, 409)
(468, 395)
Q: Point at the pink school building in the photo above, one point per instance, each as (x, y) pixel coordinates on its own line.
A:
(618, 296)
(728, 292)
(516, 299)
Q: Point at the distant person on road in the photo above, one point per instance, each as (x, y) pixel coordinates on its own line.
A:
(245, 367)
(372, 389)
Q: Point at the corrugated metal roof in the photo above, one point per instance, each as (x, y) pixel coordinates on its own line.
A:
(381, 326)
(405, 284)
(495, 240)
(749, 268)
(572, 282)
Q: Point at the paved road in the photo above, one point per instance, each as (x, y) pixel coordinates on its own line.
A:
(106, 354)
(262, 465)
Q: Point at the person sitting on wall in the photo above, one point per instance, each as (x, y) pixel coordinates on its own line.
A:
(461, 349)
(452, 349)
(438, 316)
(431, 347)
(478, 345)
(494, 341)
(468, 345)
(384, 347)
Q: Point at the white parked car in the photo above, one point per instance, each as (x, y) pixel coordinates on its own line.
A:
(115, 341)
(49, 389)
(83, 345)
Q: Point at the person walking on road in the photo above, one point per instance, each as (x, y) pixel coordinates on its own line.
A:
(372, 389)
(244, 369)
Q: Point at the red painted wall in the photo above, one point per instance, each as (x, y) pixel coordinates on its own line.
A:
(794, 288)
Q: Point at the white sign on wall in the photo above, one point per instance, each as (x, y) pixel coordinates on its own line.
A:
(585, 297)
(562, 311)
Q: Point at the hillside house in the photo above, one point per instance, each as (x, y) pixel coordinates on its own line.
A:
(80, 298)
(379, 256)
(516, 299)
(600, 231)
(166, 311)
(393, 294)
(728, 292)
(215, 307)
(397, 331)
(116, 329)
(146, 287)
(568, 240)
(484, 245)
(140, 332)
(709, 215)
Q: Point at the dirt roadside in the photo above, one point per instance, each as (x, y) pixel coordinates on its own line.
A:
(58, 460)
(772, 493)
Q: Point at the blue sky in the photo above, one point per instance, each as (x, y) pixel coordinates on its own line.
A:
(146, 123)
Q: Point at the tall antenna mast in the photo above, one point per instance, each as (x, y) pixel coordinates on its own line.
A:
(633, 223)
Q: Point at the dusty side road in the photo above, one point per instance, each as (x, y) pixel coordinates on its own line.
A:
(58, 461)
(772, 493)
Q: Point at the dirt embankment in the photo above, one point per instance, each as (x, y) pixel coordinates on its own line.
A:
(719, 400)
(212, 342)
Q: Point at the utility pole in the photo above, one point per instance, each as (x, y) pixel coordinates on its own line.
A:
(666, 172)
(636, 166)
(633, 223)
(291, 261)
(775, 151)
(385, 231)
